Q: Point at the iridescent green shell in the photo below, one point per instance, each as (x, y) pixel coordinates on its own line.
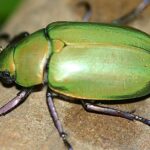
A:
(99, 61)
(83, 60)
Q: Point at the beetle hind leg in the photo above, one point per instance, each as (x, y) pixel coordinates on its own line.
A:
(133, 13)
(14, 102)
(88, 10)
(56, 120)
(114, 112)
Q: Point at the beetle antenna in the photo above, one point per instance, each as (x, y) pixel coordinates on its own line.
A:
(88, 10)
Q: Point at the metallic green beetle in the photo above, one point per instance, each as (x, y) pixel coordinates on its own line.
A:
(86, 61)
(80, 61)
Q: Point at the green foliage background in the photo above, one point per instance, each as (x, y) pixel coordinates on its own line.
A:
(7, 7)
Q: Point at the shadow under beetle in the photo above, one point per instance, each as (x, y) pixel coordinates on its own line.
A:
(84, 61)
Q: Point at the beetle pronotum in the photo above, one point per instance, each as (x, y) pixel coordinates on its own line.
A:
(100, 62)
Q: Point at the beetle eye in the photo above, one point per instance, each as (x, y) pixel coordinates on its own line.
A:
(5, 74)
(6, 78)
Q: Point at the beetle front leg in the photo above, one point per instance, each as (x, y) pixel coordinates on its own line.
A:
(114, 112)
(15, 39)
(18, 37)
(56, 120)
(132, 14)
(15, 102)
(5, 37)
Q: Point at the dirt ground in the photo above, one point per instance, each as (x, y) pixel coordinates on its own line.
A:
(30, 127)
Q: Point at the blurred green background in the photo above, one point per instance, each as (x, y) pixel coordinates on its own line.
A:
(7, 7)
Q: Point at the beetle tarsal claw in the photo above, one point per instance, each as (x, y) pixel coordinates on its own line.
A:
(64, 137)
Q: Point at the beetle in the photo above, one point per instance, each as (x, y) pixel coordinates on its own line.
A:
(79, 61)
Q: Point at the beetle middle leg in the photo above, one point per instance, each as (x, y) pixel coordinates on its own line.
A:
(56, 120)
(123, 19)
(114, 112)
(21, 96)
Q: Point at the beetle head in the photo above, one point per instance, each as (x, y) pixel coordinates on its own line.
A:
(6, 78)
(7, 67)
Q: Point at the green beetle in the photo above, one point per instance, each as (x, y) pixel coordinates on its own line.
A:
(99, 61)
(86, 61)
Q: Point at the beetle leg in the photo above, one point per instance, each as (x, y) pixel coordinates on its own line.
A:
(88, 10)
(18, 38)
(56, 120)
(132, 14)
(5, 36)
(15, 39)
(15, 102)
(114, 112)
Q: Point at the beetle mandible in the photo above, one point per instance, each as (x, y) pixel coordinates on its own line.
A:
(99, 62)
